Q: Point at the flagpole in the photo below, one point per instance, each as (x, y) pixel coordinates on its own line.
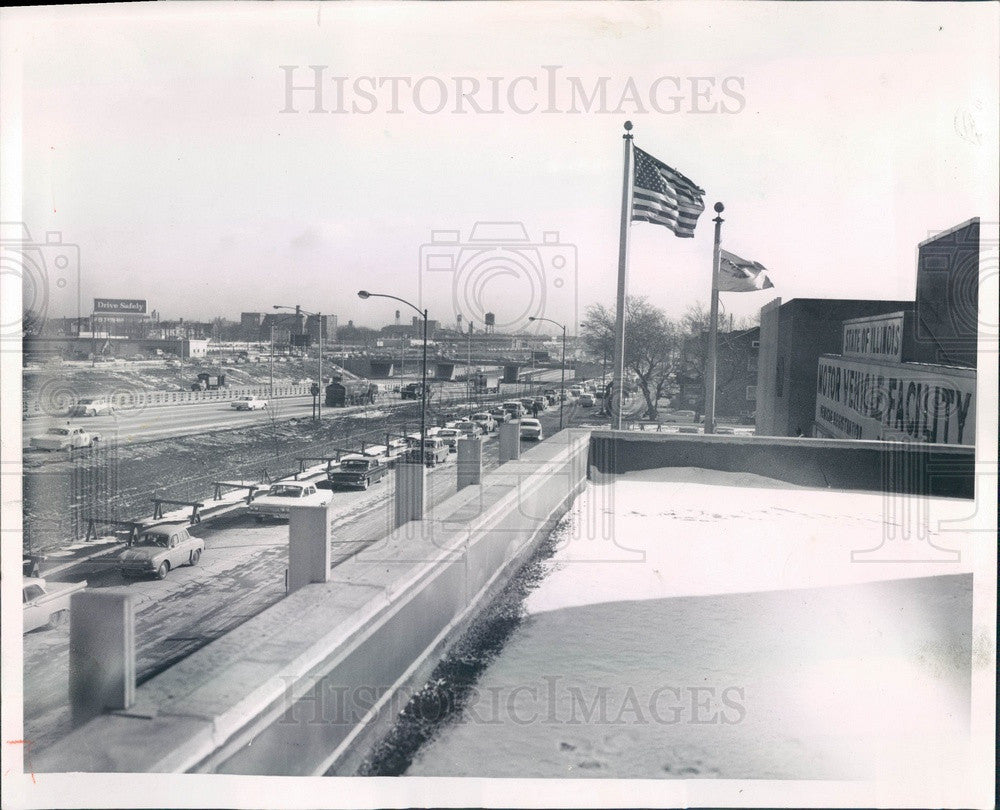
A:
(713, 325)
(617, 385)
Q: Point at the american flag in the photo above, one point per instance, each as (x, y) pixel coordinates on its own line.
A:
(664, 196)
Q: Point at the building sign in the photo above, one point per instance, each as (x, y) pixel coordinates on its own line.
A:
(879, 337)
(877, 400)
(119, 306)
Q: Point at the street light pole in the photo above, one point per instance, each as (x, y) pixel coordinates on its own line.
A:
(562, 383)
(364, 295)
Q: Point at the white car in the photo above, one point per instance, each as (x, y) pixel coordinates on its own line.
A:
(70, 437)
(485, 421)
(92, 407)
(531, 429)
(450, 437)
(284, 495)
(248, 404)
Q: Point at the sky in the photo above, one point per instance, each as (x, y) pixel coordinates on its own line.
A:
(157, 140)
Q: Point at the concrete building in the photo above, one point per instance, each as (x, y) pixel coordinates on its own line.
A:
(908, 373)
(793, 336)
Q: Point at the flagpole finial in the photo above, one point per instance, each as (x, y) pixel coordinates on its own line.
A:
(628, 130)
(719, 208)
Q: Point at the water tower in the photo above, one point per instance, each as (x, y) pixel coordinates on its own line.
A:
(491, 322)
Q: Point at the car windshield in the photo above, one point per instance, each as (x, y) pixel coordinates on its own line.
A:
(464, 425)
(58, 431)
(285, 491)
(155, 539)
(448, 432)
(356, 464)
(529, 423)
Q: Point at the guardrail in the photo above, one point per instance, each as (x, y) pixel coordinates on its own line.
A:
(59, 403)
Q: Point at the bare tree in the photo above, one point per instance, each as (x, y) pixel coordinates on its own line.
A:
(651, 345)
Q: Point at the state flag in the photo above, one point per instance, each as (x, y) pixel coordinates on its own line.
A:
(741, 275)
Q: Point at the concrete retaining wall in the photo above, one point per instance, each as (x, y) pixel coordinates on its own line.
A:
(306, 686)
(944, 470)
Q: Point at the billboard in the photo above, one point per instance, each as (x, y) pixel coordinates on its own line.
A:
(895, 401)
(119, 306)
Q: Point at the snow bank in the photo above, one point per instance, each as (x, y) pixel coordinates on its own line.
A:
(705, 624)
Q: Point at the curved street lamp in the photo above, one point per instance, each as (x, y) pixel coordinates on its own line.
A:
(364, 295)
(562, 384)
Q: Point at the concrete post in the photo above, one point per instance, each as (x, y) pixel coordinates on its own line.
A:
(510, 441)
(101, 653)
(308, 546)
(470, 461)
(411, 492)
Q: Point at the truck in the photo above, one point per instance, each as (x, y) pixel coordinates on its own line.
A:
(410, 391)
(341, 393)
(358, 473)
(46, 604)
(483, 383)
(209, 382)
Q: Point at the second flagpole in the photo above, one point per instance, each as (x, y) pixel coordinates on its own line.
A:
(618, 382)
(713, 324)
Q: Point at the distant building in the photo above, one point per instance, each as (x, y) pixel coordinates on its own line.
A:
(735, 373)
(250, 325)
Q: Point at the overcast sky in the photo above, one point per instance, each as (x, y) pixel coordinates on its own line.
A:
(838, 136)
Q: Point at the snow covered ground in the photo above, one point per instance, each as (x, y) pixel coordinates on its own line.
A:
(706, 624)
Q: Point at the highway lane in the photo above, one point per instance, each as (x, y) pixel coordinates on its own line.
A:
(167, 421)
(240, 574)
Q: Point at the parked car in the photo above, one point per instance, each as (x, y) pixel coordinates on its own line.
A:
(46, 604)
(531, 429)
(248, 404)
(469, 428)
(69, 437)
(92, 407)
(514, 408)
(159, 549)
(283, 495)
(485, 421)
(499, 415)
(435, 452)
(586, 400)
(450, 437)
(359, 473)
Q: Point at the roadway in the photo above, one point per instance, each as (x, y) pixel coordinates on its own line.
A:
(169, 421)
(240, 574)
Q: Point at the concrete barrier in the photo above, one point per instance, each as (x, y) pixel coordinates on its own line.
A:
(895, 467)
(309, 684)
(135, 400)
